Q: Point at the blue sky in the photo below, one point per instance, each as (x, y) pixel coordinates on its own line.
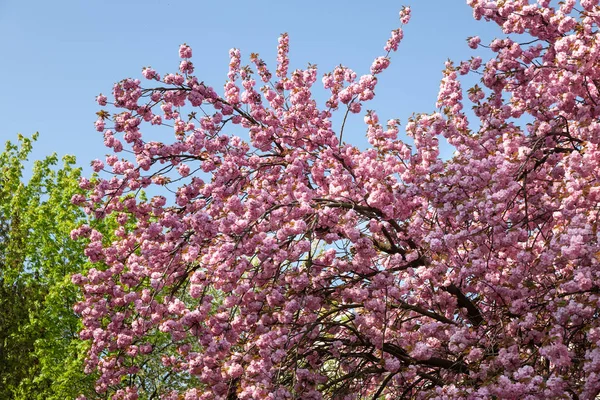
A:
(57, 56)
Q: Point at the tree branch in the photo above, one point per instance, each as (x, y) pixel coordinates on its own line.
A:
(473, 313)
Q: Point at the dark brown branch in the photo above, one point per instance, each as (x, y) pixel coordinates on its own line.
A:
(425, 312)
(456, 366)
(473, 312)
(383, 385)
(402, 355)
(433, 379)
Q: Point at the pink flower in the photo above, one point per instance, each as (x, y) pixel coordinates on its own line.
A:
(405, 15)
(101, 99)
(355, 107)
(186, 67)
(185, 51)
(149, 73)
(421, 351)
(380, 64)
(474, 41)
(99, 124)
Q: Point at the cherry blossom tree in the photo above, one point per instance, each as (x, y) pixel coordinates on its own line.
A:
(288, 263)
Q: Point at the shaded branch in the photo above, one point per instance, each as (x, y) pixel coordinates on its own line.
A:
(473, 313)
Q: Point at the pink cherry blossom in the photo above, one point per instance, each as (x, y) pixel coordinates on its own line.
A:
(289, 263)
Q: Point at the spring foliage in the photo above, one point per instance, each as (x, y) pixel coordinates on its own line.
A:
(41, 356)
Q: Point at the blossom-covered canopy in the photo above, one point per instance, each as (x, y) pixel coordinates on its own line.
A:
(289, 263)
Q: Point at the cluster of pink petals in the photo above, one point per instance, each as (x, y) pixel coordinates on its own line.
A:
(288, 264)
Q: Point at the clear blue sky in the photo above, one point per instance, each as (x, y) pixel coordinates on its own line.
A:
(58, 55)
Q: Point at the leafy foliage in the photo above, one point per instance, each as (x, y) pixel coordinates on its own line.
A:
(40, 354)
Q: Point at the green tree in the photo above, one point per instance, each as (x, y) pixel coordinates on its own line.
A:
(41, 356)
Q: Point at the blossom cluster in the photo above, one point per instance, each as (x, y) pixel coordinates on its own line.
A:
(291, 264)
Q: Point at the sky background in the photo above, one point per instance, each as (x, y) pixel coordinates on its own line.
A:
(58, 55)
